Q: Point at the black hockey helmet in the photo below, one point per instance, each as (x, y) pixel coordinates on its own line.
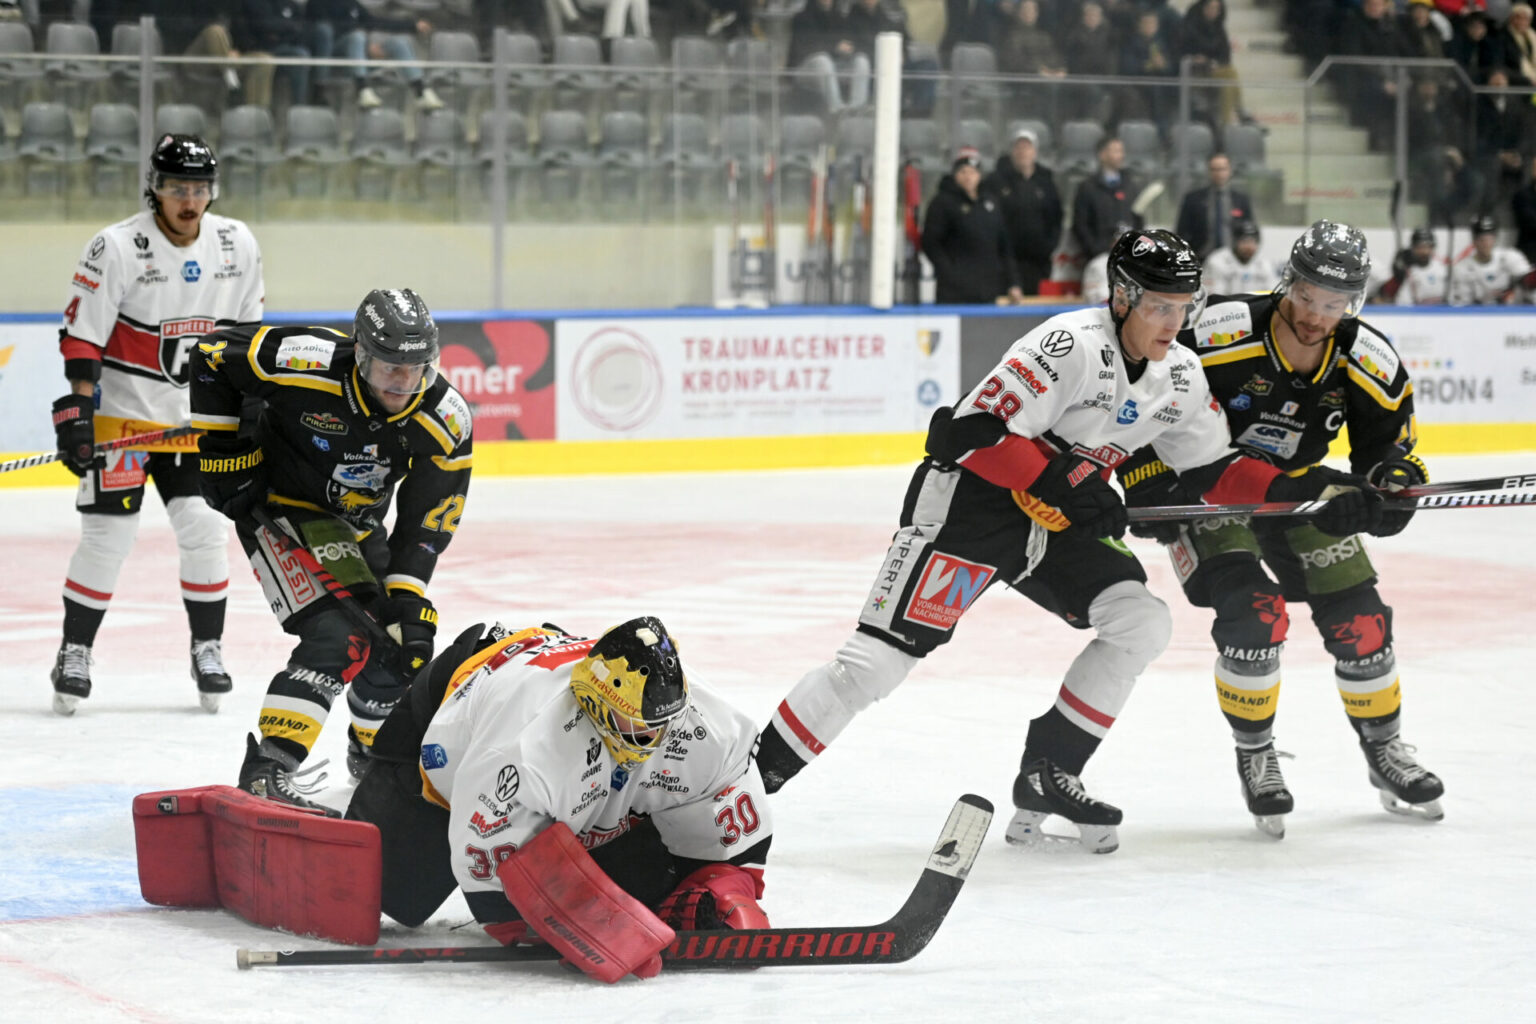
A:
(1421, 236)
(1331, 256)
(394, 326)
(1484, 224)
(184, 158)
(631, 685)
(1245, 229)
(1156, 260)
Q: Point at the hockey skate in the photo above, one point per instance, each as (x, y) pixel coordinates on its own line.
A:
(71, 677)
(208, 672)
(1405, 786)
(274, 774)
(1264, 788)
(357, 754)
(1043, 789)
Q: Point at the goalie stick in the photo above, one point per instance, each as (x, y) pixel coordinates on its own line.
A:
(153, 437)
(898, 939)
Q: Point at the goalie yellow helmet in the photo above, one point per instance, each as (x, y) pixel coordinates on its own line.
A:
(632, 688)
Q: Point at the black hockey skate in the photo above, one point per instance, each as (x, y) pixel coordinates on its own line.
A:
(272, 773)
(1264, 788)
(1405, 786)
(358, 755)
(208, 672)
(71, 677)
(1043, 789)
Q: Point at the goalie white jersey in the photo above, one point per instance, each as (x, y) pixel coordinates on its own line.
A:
(1065, 382)
(510, 751)
(141, 303)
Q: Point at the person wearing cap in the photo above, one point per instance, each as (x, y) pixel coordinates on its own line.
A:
(1421, 36)
(1491, 274)
(1026, 196)
(965, 240)
(1208, 216)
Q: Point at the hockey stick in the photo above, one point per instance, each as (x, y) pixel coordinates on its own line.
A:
(350, 603)
(153, 437)
(900, 938)
(1393, 503)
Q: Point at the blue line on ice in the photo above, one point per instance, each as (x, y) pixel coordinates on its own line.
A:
(67, 850)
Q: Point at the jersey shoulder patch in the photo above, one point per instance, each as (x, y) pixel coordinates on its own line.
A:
(453, 411)
(1374, 354)
(304, 352)
(1223, 322)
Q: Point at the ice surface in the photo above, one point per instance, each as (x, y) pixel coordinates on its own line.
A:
(1357, 915)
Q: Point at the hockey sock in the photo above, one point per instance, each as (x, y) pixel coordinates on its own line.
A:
(1054, 737)
(297, 703)
(206, 618)
(81, 623)
(1372, 697)
(1248, 693)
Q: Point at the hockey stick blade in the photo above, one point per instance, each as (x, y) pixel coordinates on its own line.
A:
(1393, 502)
(898, 939)
(153, 437)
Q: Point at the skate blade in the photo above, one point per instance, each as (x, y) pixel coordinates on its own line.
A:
(1026, 830)
(1429, 810)
(1272, 825)
(210, 701)
(65, 703)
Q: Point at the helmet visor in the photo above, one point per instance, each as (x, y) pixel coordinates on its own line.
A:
(1327, 301)
(1174, 309)
(168, 186)
(405, 380)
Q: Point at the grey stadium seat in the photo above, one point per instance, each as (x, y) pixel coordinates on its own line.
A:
(16, 38)
(565, 154)
(635, 65)
(441, 152)
(516, 152)
(182, 119)
(698, 66)
(1143, 148)
(68, 41)
(46, 144)
(623, 155)
(1201, 143)
(126, 38)
(576, 65)
(112, 146)
(247, 147)
(378, 147)
(978, 133)
(685, 157)
(313, 147)
(1080, 146)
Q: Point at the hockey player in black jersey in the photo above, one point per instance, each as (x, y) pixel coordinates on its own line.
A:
(1292, 369)
(345, 422)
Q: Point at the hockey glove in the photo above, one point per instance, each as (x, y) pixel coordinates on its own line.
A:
(1392, 475)
(1073, 485)
(1353, 505)
(1155, 484)
(715, 896)
(231, 474)
(412, 621)
(74, 429)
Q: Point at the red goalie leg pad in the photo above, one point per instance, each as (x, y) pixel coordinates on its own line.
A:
(575, 907)
(717, 896)
(274, 865)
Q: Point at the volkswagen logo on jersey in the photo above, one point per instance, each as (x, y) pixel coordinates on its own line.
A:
(1127, 413)
(190, 271)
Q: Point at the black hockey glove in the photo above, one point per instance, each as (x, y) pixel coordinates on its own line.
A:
(74, 429)
(412, 621)
(231, 474)
(1391, 475)
(1153, 483)
(1353, 505)
(1073, 485)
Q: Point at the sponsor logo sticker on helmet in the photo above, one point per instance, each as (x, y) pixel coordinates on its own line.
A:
(1143, 246)
(373, 316)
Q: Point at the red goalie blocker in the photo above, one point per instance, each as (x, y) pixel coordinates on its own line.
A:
(274, 865)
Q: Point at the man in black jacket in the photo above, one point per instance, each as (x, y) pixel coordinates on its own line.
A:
(1524, 203)
(1208, 217)
(1025, 194)
(277, 27)
(964, 239)
(342, 27)
(1101, 210)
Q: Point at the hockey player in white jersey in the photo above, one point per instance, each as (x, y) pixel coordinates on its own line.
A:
(1491, 274)
(520, 762)
(144, 291)
(1239, 269)
(1014, 490)
(1418, 279)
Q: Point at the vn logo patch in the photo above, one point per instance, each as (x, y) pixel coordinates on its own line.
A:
(945, 590)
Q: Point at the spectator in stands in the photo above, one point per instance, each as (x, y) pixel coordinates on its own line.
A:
(1090, 50)
(1026, 48)
(1149, 52)
(1524, 207)
(276, 28)
(526, 16)
(1521, 46)
(1026, 197)
(190, 28)
(964, 239)
(1477, 49)
(822, 44)
(1506, 135)
(1208, 216)
(342, 27)
(866, 20)
(1371, 32)
(1101, 210)
(1421, 38)
(973, 21)
(1440, 172)
(637, 12)
(1203, 38)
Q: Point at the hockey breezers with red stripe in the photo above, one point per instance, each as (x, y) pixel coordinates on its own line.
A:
(898, 939)
(1490, 492)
